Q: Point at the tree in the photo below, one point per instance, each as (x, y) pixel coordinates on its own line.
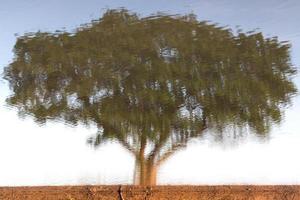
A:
(155, 81)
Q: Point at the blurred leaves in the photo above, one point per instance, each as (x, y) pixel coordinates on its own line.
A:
(136, 76)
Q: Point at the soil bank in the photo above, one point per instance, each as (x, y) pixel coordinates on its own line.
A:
(128, 192)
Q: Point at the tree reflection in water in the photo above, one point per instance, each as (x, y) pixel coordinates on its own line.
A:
(152, 83)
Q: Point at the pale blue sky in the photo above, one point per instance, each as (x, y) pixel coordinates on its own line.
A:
(276, 17)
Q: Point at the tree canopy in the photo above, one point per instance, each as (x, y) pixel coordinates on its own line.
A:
(162, 78)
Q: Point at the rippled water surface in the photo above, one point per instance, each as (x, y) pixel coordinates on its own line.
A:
(200, 92)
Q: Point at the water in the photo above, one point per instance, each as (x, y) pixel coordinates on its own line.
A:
(166, 99)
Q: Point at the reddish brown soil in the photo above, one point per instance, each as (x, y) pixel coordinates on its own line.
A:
(151, 193)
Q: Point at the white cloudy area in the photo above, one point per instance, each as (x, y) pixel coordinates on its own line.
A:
(56, 154)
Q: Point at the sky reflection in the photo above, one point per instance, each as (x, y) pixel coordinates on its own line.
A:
(55, 154)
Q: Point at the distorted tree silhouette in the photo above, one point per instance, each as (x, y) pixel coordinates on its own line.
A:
(156, 81)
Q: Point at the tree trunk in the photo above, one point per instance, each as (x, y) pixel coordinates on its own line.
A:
(145, 172)
(145, 168)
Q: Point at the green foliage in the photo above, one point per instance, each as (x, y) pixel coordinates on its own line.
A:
(135, 76)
